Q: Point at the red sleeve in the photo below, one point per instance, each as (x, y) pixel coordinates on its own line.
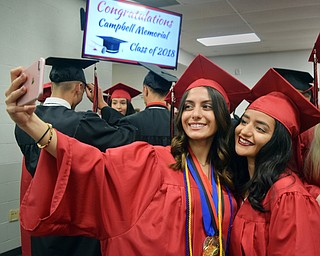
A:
(294, 226)
(24, 184)
(86, 192)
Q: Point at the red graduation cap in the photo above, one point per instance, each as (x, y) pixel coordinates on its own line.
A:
(203, 72)
(276, 97)
(121, 90)
(46, 92)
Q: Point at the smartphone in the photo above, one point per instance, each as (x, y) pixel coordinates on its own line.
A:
(34, 83)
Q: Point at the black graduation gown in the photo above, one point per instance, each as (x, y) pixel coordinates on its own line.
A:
(89, 128)
(153, 123)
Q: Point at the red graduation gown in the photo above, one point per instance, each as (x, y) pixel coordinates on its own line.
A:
(291, 227)
(133, 200)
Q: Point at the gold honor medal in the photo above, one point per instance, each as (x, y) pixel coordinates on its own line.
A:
(211, 246)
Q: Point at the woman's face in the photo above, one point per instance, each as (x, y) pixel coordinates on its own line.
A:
(198, 120)
(253, 132)
(119, 104)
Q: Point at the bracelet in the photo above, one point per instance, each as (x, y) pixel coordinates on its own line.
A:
(50, 138)
(49, 127)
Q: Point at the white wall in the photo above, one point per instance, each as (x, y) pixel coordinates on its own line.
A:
(33, 28)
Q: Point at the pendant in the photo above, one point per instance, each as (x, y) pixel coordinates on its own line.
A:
(211, 246)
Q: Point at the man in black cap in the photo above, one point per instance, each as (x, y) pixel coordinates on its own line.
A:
(153, 122)
(68, 86)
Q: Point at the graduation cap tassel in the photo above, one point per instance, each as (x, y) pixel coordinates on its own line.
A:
(172, 113)
(315, 83)
(315, 58)
(95, 91)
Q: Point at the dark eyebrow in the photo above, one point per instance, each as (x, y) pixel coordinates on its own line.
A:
(259, 122)
(246, 116)
(263, 123)
(205, 101)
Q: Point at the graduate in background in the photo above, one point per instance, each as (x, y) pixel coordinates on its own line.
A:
(277, 216)
(153, 122)
(119, 97)
(144, 199)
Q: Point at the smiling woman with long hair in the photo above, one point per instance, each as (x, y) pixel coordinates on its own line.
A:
(278, 216)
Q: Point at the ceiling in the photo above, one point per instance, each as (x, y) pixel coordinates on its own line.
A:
(282, 25)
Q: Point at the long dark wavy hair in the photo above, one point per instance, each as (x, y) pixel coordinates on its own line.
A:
(270, 162)
(219, 154)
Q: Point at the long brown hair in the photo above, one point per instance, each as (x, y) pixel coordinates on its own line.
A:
(219, 154)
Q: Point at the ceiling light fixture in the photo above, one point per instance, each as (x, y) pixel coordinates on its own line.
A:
(231, 39)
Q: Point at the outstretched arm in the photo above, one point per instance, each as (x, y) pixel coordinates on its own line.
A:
(24, 116)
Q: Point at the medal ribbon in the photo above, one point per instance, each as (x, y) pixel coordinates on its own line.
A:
(188, 213)
(220, 219)
(209, 211)
(218, 204)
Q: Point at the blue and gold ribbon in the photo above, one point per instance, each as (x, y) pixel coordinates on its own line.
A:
(212, 210)
(188, 213)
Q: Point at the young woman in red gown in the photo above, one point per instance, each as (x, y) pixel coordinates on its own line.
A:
(278, 216)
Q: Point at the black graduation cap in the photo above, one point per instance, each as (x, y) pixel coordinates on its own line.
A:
(157, 78)
(111, 44)
(65, 69)
(300, 80)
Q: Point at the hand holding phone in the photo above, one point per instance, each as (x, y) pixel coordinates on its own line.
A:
(34, 83)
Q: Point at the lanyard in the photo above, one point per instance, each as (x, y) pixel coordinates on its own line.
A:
(208, 217)
(209, 211)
